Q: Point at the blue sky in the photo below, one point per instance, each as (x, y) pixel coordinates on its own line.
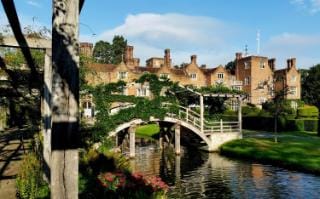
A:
(212, 29)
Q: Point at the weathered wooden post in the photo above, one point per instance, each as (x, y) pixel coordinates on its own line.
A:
(201, 113)
(65, 98)
(177, 139)
(47, 90)
(132, 141)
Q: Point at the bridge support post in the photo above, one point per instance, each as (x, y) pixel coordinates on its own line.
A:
(132, 141)
(201, 113)
(177, 139)
(116, 140)
(240, 114)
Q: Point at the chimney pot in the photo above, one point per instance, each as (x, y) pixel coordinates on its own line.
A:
(238, 56)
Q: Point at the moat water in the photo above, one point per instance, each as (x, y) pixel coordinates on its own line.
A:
(194, 174)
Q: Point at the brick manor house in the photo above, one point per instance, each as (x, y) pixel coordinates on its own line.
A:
(256, 75)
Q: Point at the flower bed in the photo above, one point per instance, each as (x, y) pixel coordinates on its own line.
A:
(133, 185)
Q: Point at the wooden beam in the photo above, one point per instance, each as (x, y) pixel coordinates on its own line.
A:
(33, 43)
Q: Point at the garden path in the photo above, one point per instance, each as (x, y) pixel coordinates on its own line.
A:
(12, 149)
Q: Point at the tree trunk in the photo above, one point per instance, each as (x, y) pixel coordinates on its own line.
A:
(65, 99)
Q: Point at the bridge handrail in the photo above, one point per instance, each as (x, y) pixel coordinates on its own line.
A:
(189, 116)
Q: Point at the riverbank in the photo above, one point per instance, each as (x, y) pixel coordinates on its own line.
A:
(148, 130)
(294, 150)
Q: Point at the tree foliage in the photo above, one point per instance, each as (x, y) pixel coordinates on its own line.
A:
(311, 86)
(231, 66)
(15, 58)
(110, 53)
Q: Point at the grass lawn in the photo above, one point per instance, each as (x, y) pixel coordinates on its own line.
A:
(295, 150)
(148, 130)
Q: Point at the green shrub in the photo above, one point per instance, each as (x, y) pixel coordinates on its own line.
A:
(250, 111)
(230, 112)
(29, 181)
(302, 124)
(308, 112)
(311, 125)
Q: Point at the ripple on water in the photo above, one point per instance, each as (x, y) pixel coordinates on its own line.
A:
(201, 175)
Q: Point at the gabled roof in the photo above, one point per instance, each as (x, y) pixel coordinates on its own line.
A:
(145, 69)
(178, 71)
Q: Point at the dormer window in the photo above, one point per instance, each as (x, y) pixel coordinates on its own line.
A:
(122, 75)
(220, 76)
(193, 76)
(293, 78)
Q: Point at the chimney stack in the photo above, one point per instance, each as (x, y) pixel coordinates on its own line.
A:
(167, 59)
(289, 63)
(194, 59)
(238, 56)
(128, 57)
(293, 62)
(272, 63)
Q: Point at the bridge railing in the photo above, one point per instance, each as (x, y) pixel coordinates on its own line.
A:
(222, 127)
(192, 117)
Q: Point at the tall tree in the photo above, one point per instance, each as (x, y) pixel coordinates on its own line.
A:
(118, 48)
(311, 86)
(107, 53)
(102, 52)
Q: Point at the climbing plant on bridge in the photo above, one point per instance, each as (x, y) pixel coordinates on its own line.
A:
(105, 94)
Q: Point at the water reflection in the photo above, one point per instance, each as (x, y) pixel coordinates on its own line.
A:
(202, 175)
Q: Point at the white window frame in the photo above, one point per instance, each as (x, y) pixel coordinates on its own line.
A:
(193, 76)
(164, 76)
(142, 92)
(247, 81)
(220, 75)
(122, 75)
(294, 105)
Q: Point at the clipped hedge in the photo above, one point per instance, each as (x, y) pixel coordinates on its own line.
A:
(258, 123)
(303, 124)
(307, 112)
(284, 124)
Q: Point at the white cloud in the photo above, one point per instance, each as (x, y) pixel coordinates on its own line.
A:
(286, 45)
(185, 35)
(311, 6)
(34, 3)
(212, 40)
